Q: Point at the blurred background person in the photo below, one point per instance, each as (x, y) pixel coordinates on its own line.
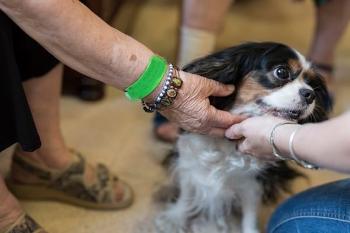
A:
(202, 21)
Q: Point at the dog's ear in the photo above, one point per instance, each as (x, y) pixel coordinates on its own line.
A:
(228, 66)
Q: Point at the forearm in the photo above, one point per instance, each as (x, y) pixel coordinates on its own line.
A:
(77, 37)
(326, 144)
(81, 40)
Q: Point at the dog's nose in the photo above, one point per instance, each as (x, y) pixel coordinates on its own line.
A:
(307, 95)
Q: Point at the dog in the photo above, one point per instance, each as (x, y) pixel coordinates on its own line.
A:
(213, 180)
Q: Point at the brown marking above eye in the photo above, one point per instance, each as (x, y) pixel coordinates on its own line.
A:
(295, 65)
(310, 75)
(250, 90)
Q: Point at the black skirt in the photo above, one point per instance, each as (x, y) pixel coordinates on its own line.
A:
(21, 58)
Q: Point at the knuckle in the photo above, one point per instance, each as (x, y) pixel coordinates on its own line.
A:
(211, 83)
(197, 127)
(243, 128)
(217, 85)
(246, 147)
(205, 118)
(237, 129)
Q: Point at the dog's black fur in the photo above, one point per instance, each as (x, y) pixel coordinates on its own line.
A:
(231, 65)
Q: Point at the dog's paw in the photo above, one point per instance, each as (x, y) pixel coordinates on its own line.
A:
(165, 224)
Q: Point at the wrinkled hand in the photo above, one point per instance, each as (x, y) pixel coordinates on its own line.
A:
(255, 136)
(192, 110)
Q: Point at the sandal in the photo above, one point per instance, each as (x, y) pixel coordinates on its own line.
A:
(24, 224)
(68, 185)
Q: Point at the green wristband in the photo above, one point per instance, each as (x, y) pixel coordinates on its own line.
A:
(149, 79)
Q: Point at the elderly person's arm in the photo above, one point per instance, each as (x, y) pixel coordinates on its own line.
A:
(325, 144)
(81, 40)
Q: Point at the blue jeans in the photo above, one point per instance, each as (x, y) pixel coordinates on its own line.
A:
(323, 209)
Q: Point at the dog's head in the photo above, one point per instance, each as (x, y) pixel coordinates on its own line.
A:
(270, 78)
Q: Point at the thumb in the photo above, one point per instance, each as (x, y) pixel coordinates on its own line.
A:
(219, 89)
(223, 119)
(234, 132)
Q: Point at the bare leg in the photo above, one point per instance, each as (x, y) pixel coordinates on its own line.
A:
(205, 14)
(331, 21)
(10, 209)
(200, 24)
(43, 95)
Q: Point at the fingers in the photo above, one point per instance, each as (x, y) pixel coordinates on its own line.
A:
(219, 89)
(217, 132)
(235, 132)
(223, 119)
(243, 147)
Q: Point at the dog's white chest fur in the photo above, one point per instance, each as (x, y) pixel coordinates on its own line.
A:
(214, 162)
(213, 177)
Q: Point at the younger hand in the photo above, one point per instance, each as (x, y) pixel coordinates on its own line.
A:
(255, 134)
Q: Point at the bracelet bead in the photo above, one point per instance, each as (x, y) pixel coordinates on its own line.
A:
(168, 92)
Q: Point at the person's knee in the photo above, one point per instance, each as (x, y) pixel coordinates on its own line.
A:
(329, 201)
(309, 224)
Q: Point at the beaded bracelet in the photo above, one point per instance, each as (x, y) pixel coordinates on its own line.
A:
(168, 92)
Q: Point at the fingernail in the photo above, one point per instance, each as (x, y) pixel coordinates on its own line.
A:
(246, 116)
(228, 134)
(231, 88)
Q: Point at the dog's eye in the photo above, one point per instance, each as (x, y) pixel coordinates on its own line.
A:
(282, 72)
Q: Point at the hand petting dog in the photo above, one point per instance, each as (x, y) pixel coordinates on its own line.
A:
(193, 111)
(255, 136)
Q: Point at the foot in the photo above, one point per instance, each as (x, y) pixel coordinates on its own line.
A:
(24, 224)
(10, 210)
(167, 132)
(58, 162)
